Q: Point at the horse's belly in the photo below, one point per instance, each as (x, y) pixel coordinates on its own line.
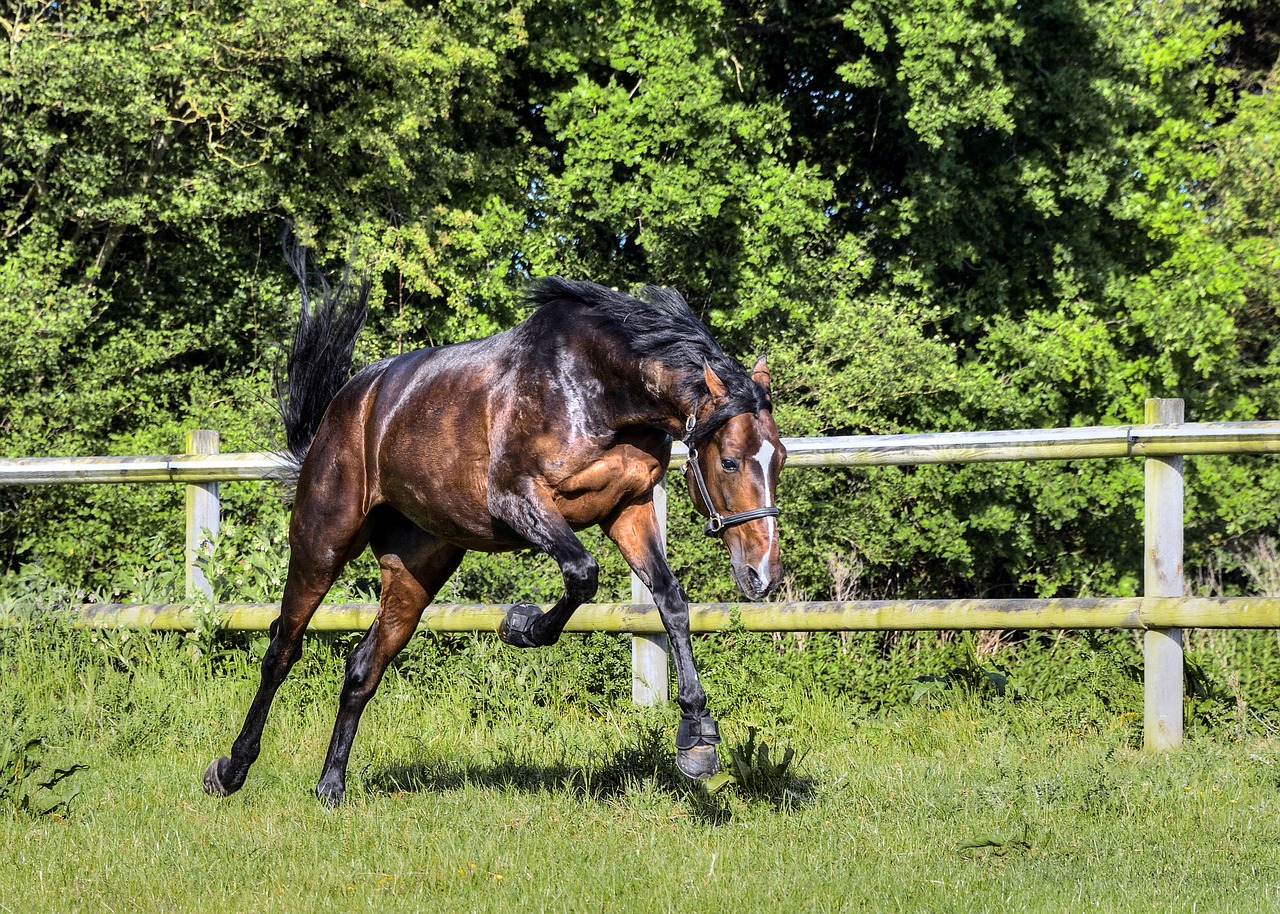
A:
(444, 493)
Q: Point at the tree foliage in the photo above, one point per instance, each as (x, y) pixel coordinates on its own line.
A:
(933, 214)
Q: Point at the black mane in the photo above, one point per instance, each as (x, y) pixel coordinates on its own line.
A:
(660, 325)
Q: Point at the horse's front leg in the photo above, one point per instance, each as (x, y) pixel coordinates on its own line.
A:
(530, 511)
(635, 531)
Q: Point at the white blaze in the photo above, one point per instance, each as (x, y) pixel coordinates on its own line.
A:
(764, 456)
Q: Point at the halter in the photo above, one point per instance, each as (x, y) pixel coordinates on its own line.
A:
(717, 522)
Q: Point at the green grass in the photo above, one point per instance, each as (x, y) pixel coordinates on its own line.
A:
(544, 801)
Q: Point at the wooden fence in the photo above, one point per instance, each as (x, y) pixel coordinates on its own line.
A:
(1163, 441)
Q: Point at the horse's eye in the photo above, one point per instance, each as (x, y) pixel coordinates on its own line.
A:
(729, 465)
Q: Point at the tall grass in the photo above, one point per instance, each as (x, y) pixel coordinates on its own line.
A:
(929, 772)
(486, 779)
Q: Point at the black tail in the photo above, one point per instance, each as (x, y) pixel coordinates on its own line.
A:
(320, 360)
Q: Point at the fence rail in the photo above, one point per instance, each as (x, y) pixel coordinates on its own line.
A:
(1161, 613)
(1132, 613)
(1166, 440)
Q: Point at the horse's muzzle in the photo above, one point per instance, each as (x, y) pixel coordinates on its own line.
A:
(754, 584)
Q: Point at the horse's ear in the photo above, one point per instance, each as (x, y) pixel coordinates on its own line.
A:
(760, 374)
(715, 386)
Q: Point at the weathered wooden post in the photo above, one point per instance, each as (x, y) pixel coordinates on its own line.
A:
(649, 653)
(1163, 531)
(202, 516)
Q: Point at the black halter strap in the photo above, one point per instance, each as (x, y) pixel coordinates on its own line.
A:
(717, 522)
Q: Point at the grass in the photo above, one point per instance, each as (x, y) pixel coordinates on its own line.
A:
(965, 801)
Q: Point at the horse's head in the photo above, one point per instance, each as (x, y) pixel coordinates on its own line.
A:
(734, 482)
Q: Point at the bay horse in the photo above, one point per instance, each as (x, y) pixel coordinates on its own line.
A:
(514, 441)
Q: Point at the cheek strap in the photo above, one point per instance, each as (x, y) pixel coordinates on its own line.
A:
(716, 522)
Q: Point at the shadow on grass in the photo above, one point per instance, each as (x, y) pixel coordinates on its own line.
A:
(646, 767)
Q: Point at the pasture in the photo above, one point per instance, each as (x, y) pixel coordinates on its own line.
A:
(928, 776)
(946, 216)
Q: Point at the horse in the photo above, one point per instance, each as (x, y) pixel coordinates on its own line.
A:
(514, 441)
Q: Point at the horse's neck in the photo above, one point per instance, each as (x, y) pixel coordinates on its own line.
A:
(655, 398)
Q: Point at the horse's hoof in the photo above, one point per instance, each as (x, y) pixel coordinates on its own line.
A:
(698, 763)
(516, 627)
(213, 784)
(331, 795)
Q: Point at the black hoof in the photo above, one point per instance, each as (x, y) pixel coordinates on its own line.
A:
(213, 783)
(331, 795)
(516, 627)
(698, 763)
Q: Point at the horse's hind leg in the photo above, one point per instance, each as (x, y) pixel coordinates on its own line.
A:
(302, 594)
(316, 558)
(414, 566)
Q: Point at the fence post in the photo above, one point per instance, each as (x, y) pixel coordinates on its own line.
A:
(649, 653)
(202, 515)
(1163, 531)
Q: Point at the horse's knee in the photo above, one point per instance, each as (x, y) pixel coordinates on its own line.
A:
(582, 579)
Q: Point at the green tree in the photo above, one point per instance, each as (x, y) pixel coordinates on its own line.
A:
(932, 214)
(152, 153)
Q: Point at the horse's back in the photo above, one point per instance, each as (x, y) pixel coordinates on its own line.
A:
(434, 429)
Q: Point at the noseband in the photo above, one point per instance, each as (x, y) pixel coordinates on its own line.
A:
(717, 522)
